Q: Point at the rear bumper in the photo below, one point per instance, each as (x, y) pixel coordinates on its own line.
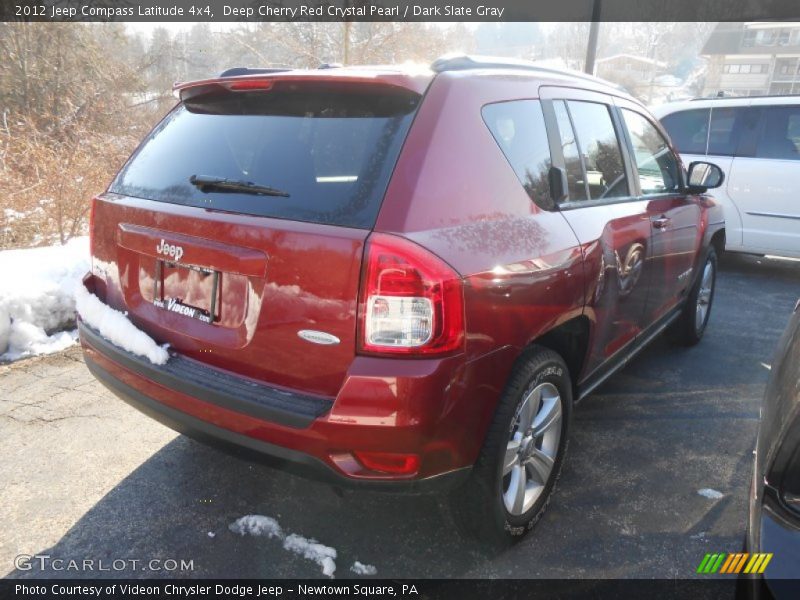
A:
(309, 436)
(217, 387)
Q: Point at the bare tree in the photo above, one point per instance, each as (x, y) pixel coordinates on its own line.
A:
(66, 124)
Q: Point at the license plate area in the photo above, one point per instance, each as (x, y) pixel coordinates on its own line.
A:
(187, 290)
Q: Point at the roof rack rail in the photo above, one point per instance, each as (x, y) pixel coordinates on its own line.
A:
(729, 97)
(465, 62)
(330, 66)
(236, 71)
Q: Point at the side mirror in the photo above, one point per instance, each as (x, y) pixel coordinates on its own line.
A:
(704, 176)
(559, 186)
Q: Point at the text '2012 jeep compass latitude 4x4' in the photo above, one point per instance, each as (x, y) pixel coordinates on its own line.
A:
(400, 279)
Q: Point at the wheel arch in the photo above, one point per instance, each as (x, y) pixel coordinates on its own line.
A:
(718, 241)
(570, 340)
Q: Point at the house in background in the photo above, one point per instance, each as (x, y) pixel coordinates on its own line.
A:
(636, 73)
(752, 59)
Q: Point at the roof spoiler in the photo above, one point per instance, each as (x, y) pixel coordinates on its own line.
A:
(237, 71)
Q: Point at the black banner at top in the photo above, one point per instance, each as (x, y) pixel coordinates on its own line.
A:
(398, 10)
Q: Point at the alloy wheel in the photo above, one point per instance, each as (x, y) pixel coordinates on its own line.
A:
(532, 448)
(704, 296)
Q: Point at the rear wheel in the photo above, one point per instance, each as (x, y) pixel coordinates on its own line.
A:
(691, 325)
(515, 475)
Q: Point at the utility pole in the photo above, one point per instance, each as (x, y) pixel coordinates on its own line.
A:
(347, 24)
(594, 30)
(346, 60)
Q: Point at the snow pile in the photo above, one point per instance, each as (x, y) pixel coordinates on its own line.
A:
(27, 339)
(324, 556)
(117, 329)
(310, 549)
(710, 494)
(36, 297)
(257, 525)
(361, 569)
(40, 289)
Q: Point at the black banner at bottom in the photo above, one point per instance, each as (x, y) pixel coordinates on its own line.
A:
(375, 589)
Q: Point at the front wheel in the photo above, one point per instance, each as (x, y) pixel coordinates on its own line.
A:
(691, 325)
(517, 469)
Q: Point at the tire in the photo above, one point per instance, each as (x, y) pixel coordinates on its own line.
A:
(486, 507)
(690, 326)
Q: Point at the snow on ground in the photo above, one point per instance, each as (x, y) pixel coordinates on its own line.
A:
(257, 525)
(710, 494)
(324, 556)
(36, 297)
(117, 329)
(360, 568)
(310, 549)
(40, 289)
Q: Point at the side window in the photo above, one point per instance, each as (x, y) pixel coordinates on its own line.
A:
(726, 126)
(657, 166)
(780, 134)
(600, 150)
(572, 158)
(518, 128)
(688, 130)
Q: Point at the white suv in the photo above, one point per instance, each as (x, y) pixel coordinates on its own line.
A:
(756, 142)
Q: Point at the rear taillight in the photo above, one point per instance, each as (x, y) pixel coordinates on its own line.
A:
(411, 302)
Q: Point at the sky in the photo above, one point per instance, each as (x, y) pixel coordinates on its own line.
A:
(147, 28)
(173, 28)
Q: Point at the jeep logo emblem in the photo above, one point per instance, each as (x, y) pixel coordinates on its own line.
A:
(169, 250)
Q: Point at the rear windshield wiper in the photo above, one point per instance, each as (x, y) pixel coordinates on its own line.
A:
(207, 183)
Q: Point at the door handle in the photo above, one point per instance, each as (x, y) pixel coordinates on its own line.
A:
(660, 222)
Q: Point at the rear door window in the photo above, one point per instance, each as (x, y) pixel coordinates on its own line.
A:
(576, 179)
(331, 151)
(688, 130)
(518, 128)
(600, 150)
(726, 128)
(780, 133)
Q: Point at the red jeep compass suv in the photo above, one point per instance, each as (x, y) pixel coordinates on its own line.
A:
(400, 278)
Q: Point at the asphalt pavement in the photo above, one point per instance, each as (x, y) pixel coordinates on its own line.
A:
(85, 477)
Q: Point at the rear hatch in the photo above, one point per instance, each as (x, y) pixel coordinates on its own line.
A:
(235, 232)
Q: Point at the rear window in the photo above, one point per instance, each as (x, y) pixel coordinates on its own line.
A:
(688, 130)
(331, 151)
(780, 135)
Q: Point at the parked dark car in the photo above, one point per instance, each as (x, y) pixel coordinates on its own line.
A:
(401, 279)
(774, 520)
